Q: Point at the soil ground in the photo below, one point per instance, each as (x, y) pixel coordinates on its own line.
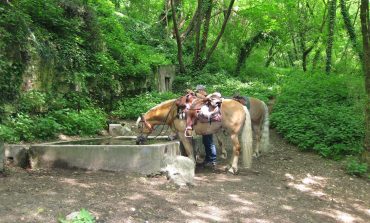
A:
(284, 185)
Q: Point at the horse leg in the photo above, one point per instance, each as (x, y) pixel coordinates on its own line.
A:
(186, 141)
(236, 153)
(191, 115)
(257, 134)
(221, 145)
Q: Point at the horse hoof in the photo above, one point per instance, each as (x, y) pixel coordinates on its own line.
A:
(256, 154)
(227, 168)
(233, 171)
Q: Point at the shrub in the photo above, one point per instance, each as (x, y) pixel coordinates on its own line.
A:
(355, 167)
(85, 122)
(45, 128)
(23, 125)
(321, 113)
(226, 85)
(131, 108)
(33, 102)
(8, 135)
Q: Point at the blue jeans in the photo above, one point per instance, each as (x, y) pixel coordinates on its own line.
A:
(210, 148)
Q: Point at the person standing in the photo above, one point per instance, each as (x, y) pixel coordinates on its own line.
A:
(209, 146)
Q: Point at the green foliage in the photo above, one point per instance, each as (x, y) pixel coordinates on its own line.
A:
(83, 216)
(23, 125)
(226, 85)
(85, 122)
(355, 167)
(45, 128)
(321, 113)
(27, 128)
(32, 102)
(13, 38)
(7, 134)
(131, 108)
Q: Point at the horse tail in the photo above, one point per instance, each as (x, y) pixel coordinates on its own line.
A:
(265, 137)
(246, 139)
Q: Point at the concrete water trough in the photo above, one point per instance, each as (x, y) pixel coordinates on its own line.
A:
(111, 154)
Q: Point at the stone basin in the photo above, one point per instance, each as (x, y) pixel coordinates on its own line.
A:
(111, 154)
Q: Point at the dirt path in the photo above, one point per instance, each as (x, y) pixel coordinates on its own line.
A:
(284, 186)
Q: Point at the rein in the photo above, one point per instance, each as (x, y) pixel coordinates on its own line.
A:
(163, 123)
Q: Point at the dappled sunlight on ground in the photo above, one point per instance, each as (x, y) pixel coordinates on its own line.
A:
(310, 184)
(73, 182)
(339, 216)
(283, 186)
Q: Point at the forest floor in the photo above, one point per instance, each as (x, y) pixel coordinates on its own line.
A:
(284, 185)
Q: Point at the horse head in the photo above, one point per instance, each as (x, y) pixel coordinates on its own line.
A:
(144, 129)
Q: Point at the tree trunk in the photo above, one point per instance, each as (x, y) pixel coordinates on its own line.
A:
(207, 20)
(350, 28)
(178, 40)
(246, 50)
(190, 29)
(331, 25)
(316, 58)
(365, 28)
(295, 50)
(307, 50)
(271, 54)
(210, 52)
(198, 25)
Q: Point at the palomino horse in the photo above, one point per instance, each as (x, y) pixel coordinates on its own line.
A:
(235, 120)
(260, 124)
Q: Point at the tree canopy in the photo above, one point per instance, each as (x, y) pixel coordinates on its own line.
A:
(61, 57)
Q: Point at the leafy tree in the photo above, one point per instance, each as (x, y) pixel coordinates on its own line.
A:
(365, 28)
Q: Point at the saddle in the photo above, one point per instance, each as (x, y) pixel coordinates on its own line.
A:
(243, 100)
(204, 110)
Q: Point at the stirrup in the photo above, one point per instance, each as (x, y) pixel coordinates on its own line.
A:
(186, 131)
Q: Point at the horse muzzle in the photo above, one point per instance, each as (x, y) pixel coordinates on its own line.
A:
(140, 140)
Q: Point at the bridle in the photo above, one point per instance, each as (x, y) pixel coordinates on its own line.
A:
(145, 123)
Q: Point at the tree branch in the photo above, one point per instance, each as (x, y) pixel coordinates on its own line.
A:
(219, 35)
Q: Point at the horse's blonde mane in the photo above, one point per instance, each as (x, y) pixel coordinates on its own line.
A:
(154, 108)
(161, 104)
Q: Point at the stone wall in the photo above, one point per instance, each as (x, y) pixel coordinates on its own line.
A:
(164, 77)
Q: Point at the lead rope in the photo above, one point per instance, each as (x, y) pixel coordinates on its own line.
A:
(165, 120)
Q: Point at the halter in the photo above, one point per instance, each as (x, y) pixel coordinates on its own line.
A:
(150, 127)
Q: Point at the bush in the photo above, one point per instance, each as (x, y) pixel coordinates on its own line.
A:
(226, 85)
(8, 135)
(322, 113)
(131, 108)
(85, 122)
(355, 167)
(45, 128)
(23, 126)
(33, 102)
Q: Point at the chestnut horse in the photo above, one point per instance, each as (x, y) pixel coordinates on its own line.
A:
(235, 120)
